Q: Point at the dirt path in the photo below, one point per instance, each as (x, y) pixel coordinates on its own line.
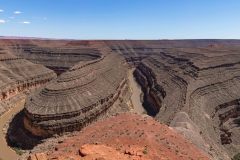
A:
(6, 153)
(136, 93)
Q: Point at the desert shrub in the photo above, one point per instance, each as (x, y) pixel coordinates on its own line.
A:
(145, 150)
(236, 157)
(18, 151)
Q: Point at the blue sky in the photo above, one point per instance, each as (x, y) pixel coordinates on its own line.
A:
(121, 19)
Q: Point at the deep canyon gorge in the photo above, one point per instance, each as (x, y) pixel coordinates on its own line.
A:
(75, 92)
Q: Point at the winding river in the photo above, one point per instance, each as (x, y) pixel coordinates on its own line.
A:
(7, 153)
(136, 94)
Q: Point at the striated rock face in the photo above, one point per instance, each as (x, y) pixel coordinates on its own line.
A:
(56, 55)
(125, 136)
(191, 85)
(18, 75)
(227, 115)
(76, 97)
(197, 77)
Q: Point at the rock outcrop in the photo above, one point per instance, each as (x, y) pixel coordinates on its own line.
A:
(77, 97)
(125, 136)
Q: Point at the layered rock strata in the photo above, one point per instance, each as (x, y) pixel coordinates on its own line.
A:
(199, 78)
(77, 97)
(192, 85)
(19, 75)
(55, 55)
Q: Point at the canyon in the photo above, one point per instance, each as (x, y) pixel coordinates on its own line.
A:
(189, 87)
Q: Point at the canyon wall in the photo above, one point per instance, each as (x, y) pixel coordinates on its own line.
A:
(19, 75)
(191, 85)
(78, 96)
(55, 55)
(199, 78)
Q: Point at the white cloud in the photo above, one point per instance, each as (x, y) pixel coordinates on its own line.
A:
(25, 22)
(17, 12)
(2, 21)
(1, 10)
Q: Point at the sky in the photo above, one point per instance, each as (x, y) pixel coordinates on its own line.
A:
(121, 19)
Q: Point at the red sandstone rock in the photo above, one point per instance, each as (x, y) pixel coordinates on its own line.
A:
(107, 153)
(38, 156)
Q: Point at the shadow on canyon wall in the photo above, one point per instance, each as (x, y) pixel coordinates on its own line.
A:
(19, 137)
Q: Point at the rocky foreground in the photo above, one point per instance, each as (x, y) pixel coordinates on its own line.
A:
(126, 136)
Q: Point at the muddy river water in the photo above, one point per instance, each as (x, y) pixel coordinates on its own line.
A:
(136, 94)
(7, 153)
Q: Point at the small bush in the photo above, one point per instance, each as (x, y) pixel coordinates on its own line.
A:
(236, 157)
(18, 151)
(145, 150)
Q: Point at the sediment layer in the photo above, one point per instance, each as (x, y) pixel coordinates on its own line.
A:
(197, 77)
(76, 97)
(55, 55)
(19, 75)
(192, 85)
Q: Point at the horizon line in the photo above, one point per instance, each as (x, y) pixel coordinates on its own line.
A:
(129, 39)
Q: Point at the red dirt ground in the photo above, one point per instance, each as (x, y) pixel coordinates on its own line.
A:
(126, 136)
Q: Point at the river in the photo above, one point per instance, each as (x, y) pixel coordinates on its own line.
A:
(136, 94)
(7, 153)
